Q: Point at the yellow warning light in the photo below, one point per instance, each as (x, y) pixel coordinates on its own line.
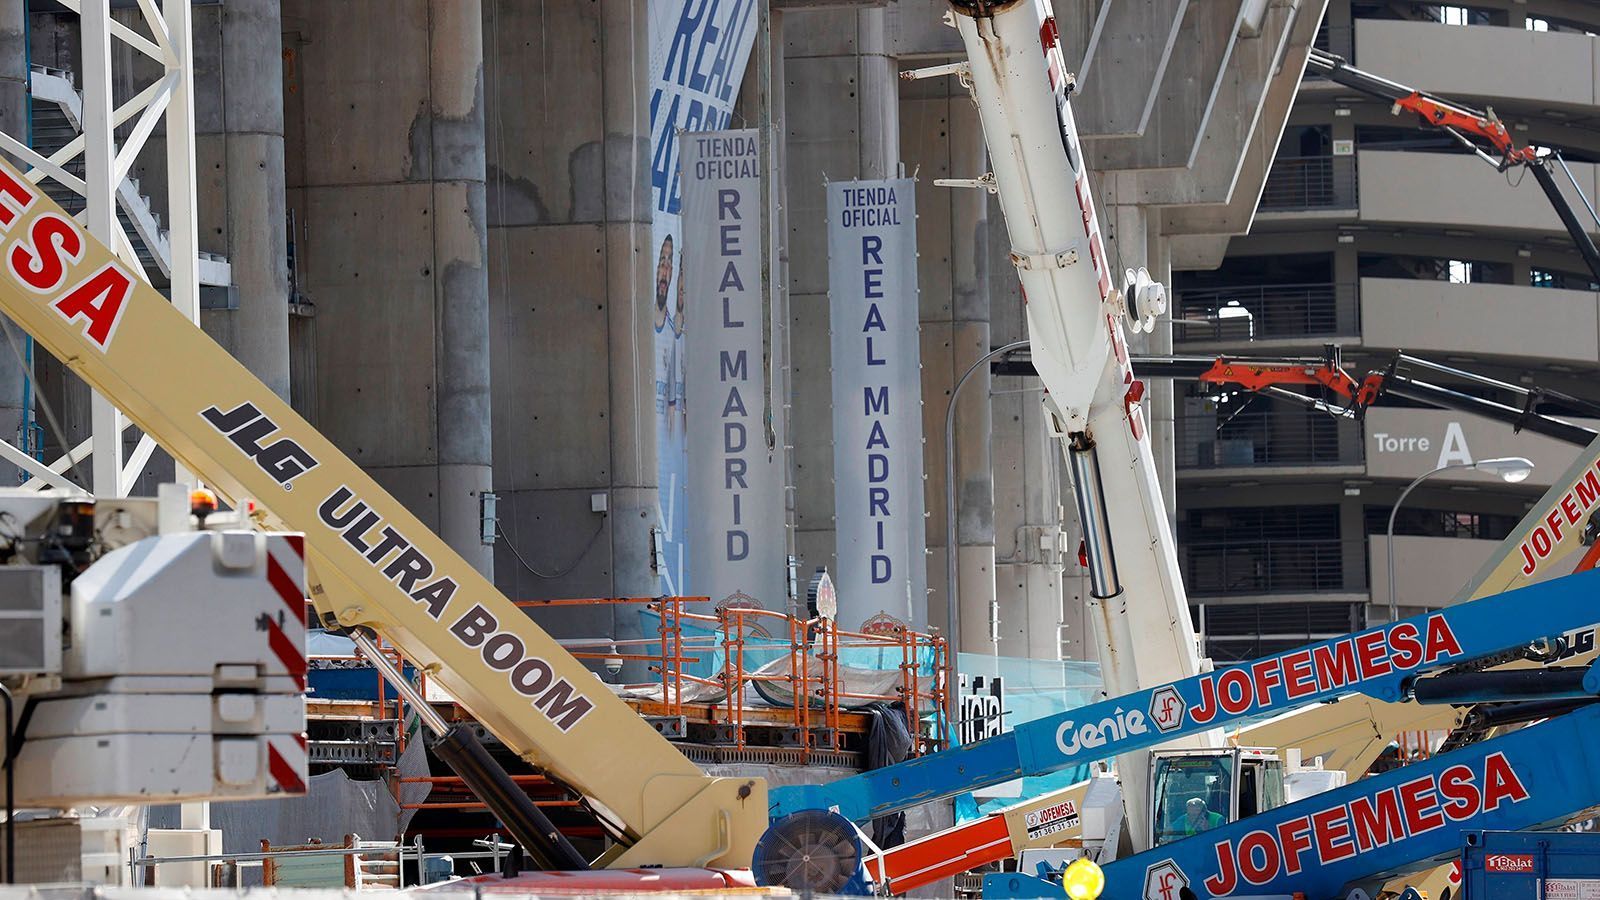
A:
(1083, 880)
(202, 503)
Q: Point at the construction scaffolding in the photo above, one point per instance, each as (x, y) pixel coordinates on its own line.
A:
(740, 684)
(740, 668)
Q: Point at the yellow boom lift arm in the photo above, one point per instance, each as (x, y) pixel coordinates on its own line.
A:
(374, 565)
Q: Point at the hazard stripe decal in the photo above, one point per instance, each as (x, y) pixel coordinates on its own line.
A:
(284, 773)
(286, 587)
(286, 651)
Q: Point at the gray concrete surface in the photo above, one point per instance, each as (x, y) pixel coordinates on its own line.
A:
(573, 280)
(390, 183)
(843, 123)
(239, 165)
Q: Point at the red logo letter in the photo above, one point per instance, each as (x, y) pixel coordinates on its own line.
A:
(100, 300)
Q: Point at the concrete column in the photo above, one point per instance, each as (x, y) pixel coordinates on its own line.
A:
(239, 154)
(1130, 244)
(938, 130)
(455, 146)
(747, 114)
(943, 138)
(842, 89)
(1161, 408)
(1353, 549)
(625, 139)
(572, 304)
(1028, 538)
(13, 121)
(1341, 30)
(1347, 288)
(391, 188)
(1036, 620)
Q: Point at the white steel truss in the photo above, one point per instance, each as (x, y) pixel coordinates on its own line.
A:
(166, 37)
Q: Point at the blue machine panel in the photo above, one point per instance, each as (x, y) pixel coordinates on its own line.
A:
(1384, 826)
(1511, 865)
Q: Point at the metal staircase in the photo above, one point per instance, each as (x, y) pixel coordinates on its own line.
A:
(57, 120)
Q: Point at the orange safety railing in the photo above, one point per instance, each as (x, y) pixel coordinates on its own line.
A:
(820, 695)
(812, 674)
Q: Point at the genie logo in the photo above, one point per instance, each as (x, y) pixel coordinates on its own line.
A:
(1071, 738)
(1508, 862)
(1164, 881)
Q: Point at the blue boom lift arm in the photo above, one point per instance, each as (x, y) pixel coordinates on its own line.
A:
(1382, 662)
(1384, 826)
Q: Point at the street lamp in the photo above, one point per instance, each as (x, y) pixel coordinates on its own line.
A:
(1511, 470)
(951, 572)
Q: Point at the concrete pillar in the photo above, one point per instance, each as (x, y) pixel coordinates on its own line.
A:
(13, 121)
(1347, 288)
(239, 156)
(1036, 619)
(1132, 243)
(746, 113)
(391, 188)
(1029, 546)
(1161, 408)
(1353, 549)
(572, 305)
(841, 87)
(455, 146)
(942, 137)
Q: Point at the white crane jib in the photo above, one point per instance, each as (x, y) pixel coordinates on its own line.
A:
(1019, 81)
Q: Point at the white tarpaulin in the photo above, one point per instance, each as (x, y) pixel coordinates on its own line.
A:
(736, 539)
(698, 53)
(877, 402)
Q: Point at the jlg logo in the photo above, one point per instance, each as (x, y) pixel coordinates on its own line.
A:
(245, 425)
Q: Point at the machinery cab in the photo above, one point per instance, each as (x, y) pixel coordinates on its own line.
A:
(1198, 790)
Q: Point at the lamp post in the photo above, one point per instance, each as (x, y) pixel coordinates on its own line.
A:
(952, 614)
(1511, 470)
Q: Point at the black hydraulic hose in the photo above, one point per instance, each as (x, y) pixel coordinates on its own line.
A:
(1580, 235)
(461, 750)
(11, 790)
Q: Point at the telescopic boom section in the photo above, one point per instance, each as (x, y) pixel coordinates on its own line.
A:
(1020, 84)
(1477, 130)
(374, 565)
(1433, 111)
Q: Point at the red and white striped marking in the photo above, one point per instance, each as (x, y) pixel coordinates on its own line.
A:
(286, 573)
(1050, 40)
(287, 762)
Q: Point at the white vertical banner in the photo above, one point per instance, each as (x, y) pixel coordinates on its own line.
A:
(698, 53)
(877, 403)
(737, 547)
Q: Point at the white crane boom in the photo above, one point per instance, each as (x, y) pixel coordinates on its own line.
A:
(1075, 325)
